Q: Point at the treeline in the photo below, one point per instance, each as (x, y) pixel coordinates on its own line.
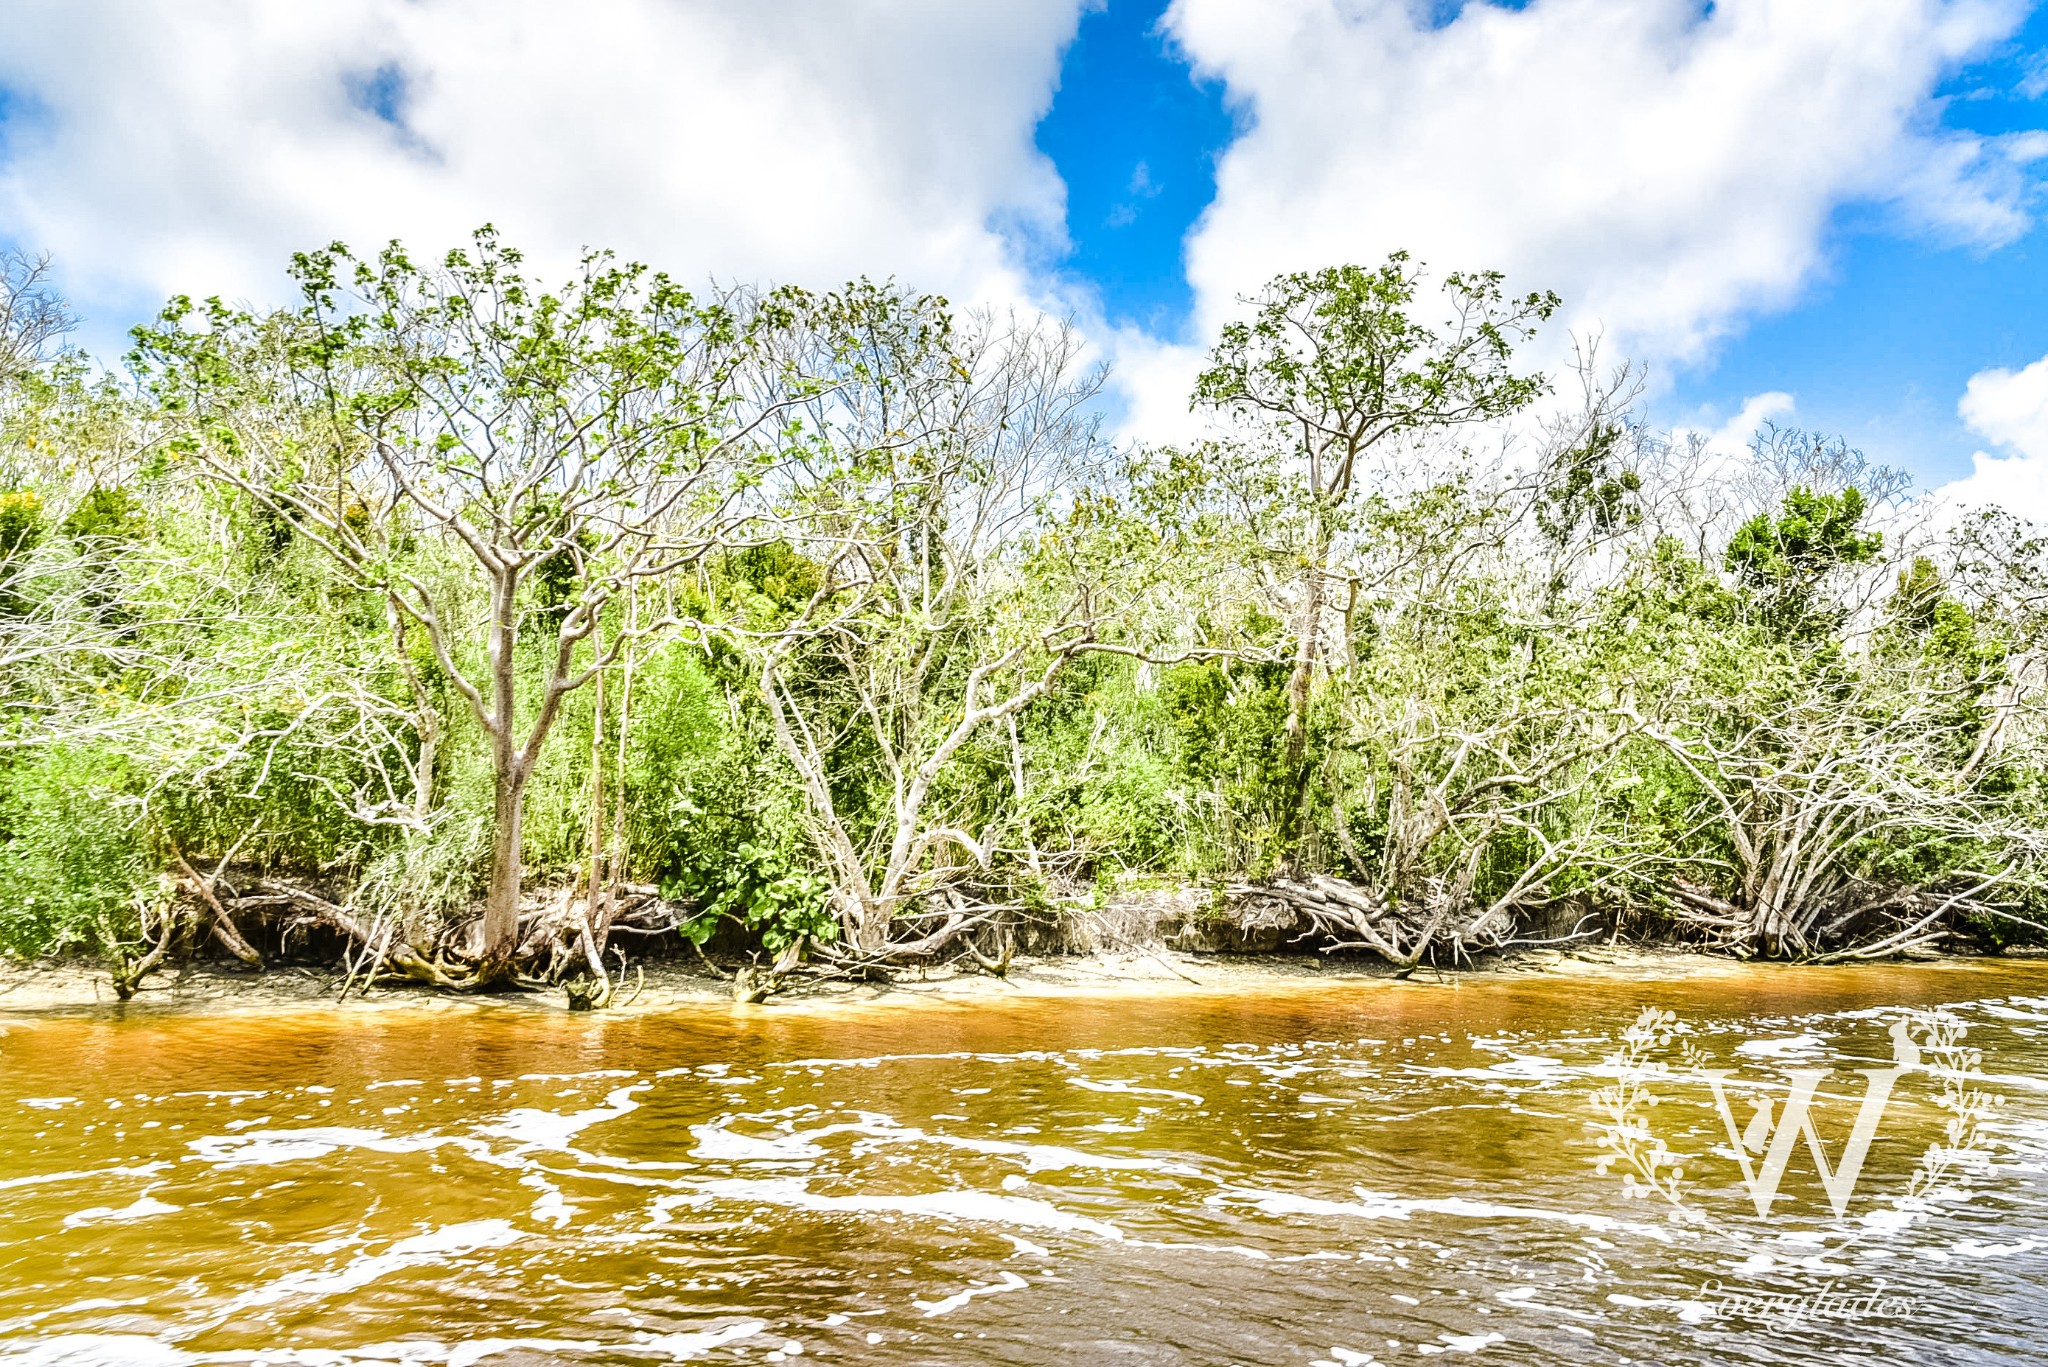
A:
(477, 628)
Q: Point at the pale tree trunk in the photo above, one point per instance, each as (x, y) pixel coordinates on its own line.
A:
(1307, 644)
(614, 866)
(501, 905)
(594, 899)
(508, 775)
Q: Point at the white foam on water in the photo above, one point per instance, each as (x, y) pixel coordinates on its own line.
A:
(540, 1129)
(1522, 1068)
(1010, 1282)
(1048, 1157)
(432, 1247)
(680, 1347)
(1971, 1248)
(1376, 1206)
(716, 1143)
(1349, 1357)
(2010, 1013)
(550, 1205)
(143, 1207)
(1524, 1298)
(97, 1350)
(985, 1207)
(80, 1175)
(48, 1103)
(1461, 1343)
(137, 1350)
(2022, 1081)
(877, 1060)
(1132, 1089)
(292, 1146)
(1781, 1048)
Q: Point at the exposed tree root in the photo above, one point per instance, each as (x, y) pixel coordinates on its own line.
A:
(223, 925)
(127, 970)
(557, 941)
(1858, 921)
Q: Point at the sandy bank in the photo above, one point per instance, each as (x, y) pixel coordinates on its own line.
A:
(80, 985)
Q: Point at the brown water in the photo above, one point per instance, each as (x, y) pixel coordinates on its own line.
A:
(1367, 1173)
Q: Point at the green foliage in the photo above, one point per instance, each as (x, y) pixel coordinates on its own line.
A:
(1341, 342)
(72, 859)
(21, 523)
(1589, 487)
(1224, 721)
(1784, 558)
(21, 531)
(1812, 534)
(879, 643)
(713, 817)
(760, 887)
(776, 571)
(106, 515)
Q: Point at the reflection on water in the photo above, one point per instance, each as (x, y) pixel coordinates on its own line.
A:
(1373, 1172)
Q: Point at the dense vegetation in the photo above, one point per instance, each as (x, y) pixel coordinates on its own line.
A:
(466, 627)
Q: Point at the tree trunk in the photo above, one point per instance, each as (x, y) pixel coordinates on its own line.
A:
(615, 859)
(594, 894)
(501, 906)
(508, 773)
(1298, 682)
(1307, 641)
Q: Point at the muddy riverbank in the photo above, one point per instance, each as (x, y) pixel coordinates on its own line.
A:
(216, 985)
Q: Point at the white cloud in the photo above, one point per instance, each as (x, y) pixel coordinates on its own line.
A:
(1756, 410)
(191, 147)
(1669, 173)
(1667, 166)
(2010, 409)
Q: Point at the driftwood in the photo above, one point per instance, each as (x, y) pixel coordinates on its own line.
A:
(1348, 916)
(389, 950)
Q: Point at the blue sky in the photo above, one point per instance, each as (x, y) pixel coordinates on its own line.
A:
(1878, 346)
(1135, 135)
(1835, 200)
(1881, 346)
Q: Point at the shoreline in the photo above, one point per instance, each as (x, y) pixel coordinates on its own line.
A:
(69, 987)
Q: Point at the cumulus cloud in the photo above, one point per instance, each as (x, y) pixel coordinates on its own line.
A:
(190, 147)
(1756, 410)
(2009, 408)
(1668, 166)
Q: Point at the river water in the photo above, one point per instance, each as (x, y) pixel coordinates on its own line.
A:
(1368, 1172)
